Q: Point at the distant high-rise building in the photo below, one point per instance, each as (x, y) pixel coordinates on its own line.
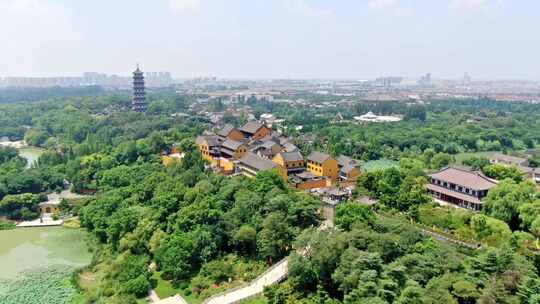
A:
(158, 79)
(139, 92)
(425, 80)
(388, 81)
(466, 78)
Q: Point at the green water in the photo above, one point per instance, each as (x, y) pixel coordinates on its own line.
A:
(31, 154)
(26, 249)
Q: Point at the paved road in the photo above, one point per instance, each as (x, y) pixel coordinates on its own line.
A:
(272, 276)
(153, 296)
(443, 238)
(172, 300)
(154, 299)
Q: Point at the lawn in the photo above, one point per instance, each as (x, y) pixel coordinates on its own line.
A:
(165, 289)
(375, 165)
(460, 157)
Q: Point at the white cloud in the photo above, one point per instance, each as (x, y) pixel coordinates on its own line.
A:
(393, 7)
(468, 5)
(302, 7)
(404, 12)
(381, 4)
(181, 6)
(34, 31)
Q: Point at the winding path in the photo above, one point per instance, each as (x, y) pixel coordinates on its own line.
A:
(276, 274)
(154, 299)
(273, 275)
(447, 239)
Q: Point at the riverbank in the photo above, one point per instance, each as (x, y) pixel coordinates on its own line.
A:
(45, 221)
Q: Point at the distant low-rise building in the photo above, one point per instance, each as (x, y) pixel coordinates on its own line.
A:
(229, 131)
(509, 160)
(521, 163)
(172, 155)
(291, 162)
(349, 169)
(370, 117)
(255, 130)
(460, 187)
(532, 174)
(322, 164)
(234, 149)
(209, 146)
(266, 149)
(49, 207)
(250, 165)
(306, 180)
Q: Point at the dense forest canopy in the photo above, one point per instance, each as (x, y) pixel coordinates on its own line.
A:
(12, 95)
(183, 225)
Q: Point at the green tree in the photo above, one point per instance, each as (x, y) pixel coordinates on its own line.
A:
(412, 294)
(246, 239)
(412, 193)
(356, 266)
(441, 160)
(477, 163)
(503, 202)
(500, 172)
(349, 213)
(20, 207)
(490, 230)
(274, 240)
(36, 137)
(176, 257)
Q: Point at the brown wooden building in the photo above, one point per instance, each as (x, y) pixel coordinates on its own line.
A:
(255, 130)
(230, 132)
(233, 149)
(250, 165)
(460, 187)
(349, 169)
(209, 146)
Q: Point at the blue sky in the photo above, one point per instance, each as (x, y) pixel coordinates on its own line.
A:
(489, 39)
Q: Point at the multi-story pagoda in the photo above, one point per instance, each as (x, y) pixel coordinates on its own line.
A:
(139, 92)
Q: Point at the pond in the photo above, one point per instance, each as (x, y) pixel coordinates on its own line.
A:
(26, 249)
(36, 264)
(31, 154)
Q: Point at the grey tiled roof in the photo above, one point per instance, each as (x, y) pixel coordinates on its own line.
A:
(306, 175)
(318, 157)
(470, 179)
(211, 140)
(226, 130)
(292, 156)
(509, 159)
(346, 169)
(251, 127)
(344, 161)
(290, 147)
(231, 144)
(253, 161)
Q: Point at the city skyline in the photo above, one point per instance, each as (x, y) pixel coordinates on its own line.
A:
(291, 39)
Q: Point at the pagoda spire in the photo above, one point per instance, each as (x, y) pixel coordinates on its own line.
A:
(138, 103)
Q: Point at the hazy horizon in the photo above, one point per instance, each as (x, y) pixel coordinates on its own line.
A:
(263, 39)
